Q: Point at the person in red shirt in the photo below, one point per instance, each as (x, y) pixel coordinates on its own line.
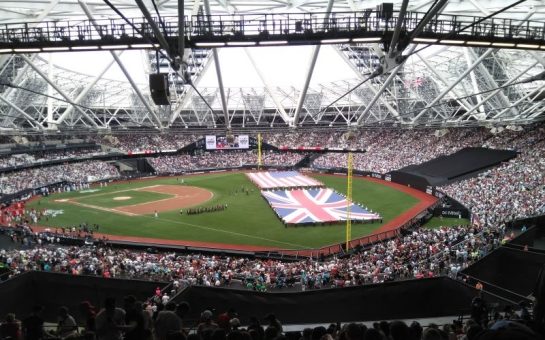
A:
(225, 318)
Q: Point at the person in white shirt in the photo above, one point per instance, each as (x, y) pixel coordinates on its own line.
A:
(67, 327)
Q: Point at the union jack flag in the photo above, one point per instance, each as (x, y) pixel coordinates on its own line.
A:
(282, 179)
(314, 205)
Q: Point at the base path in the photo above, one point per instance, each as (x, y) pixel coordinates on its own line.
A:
(184, 197)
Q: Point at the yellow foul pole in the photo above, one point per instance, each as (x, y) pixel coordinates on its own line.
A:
(259, 151)
(349, 199)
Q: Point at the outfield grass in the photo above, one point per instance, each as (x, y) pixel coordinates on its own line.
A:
(106, 200)
(247, 220)
(437, 222)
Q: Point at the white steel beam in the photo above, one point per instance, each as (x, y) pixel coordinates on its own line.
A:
(269, 87)
(387, 82)
(440, 76)
(59, 90)
(29, 118)
(473, 77)
(86, 90)
(218, 73)
(520, 100)
(448, 89)
(310, 71)
(366, 84)
(123, 68)
(493, 83)
(493, 93)
(36, 22)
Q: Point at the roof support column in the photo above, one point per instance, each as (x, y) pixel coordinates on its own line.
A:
(387, 82)
(29, 118)
(122, 67)
(218, 71)
(86, 90)
(310, 71)
(451, 86)
(59, 90)
(366, 84)
(487, 98)
(462, 102)
(473, 77)
(270, 89)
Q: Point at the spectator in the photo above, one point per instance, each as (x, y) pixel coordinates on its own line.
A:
(109, 321)
(10, 328)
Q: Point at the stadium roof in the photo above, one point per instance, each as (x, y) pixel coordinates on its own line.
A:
(440, 85)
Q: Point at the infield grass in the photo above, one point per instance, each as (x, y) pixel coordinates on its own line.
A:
(248, 220)
(108, 199)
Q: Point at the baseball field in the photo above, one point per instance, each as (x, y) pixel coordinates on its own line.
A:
(236, 214)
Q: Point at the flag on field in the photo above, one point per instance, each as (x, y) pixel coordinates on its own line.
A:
(314, 205)
(282, 179)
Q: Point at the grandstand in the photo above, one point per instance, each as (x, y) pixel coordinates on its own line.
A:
(153, 154)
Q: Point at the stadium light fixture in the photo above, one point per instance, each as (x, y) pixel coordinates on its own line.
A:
(114, 47)
(479, 43)
(425, 40)
(6, 50)
(335, 41)
(241, 43)
(143, 46)
(453, 42)
(52, 49)
(373, 39)
(210, 44)
(498, 44)
(527, 46)
(82, 48)
(273, 42)
(23, 50)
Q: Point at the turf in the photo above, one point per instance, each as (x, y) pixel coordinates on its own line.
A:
(106, 199)
(437, 222)
(248, 220)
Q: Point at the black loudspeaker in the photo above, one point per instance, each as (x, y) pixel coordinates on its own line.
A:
(158, 85)
(385, 10)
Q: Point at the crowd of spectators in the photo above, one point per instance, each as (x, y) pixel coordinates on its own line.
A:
(161, 319)
(516, 189)
(206, 160)
(221, 159)
(146, 142)
(387, 150)
(26, 159)
(82, 172)
(420, 253)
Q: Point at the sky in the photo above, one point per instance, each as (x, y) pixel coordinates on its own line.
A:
(280, 66)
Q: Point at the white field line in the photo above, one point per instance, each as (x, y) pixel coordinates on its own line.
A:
(113, 192)
(231, 232)
(102, 208)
